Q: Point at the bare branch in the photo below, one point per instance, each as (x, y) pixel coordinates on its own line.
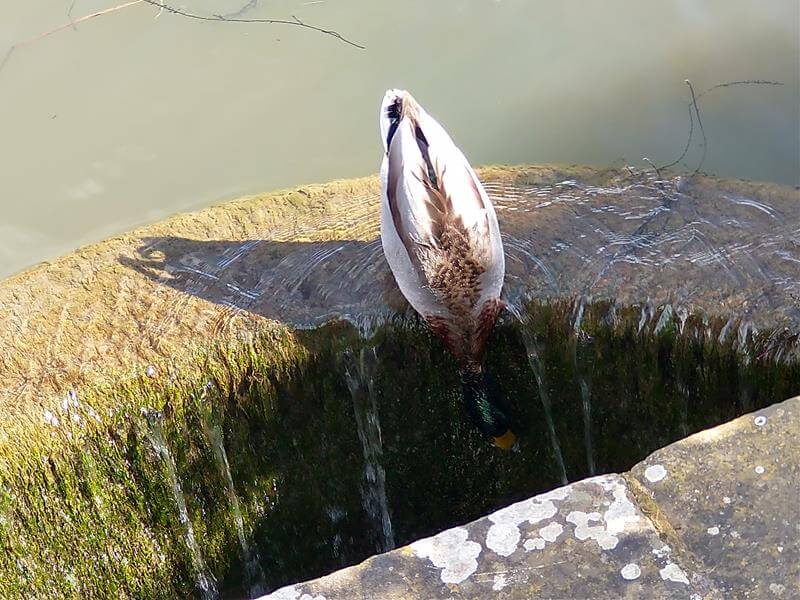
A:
(72, 23)
(219, 18)
(688, 140)
(743, 82)
(700, 123)
(163, 6)
(694, 110)
(69, 14)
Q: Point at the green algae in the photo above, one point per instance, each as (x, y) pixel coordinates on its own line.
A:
(92, 514)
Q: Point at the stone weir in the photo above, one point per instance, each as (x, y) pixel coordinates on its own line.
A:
(236, 399)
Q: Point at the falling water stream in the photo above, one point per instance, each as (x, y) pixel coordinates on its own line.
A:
(359, 374)
(581, 358)
(206, 583)
(533, 352)
(253, 574)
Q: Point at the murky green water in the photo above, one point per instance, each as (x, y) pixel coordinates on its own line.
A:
(130, 117)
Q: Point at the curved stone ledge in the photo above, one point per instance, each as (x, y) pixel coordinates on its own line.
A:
(698, 520)
(166, 420)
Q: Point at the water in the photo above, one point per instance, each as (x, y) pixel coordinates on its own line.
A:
(621, 234)
(533, 351)
(206, 584)
(253, 573)
(360, 377)
(133, 115)
(583, 364)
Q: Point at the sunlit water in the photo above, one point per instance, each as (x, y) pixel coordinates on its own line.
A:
(206, 583)
(360, 377)
(636, 238)
(133, 115)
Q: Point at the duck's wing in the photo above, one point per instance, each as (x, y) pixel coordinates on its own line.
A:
(430, 188)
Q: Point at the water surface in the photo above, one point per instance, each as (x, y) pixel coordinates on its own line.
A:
(132, 116)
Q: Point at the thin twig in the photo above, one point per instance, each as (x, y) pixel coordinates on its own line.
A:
(702, 131)
(743, 82)
(72, 23)
(688, 141)
(693, 109)
(217, 18)
(69, 14)
(162, 6)
(652, 164)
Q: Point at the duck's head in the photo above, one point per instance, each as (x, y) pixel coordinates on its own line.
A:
(485, 413)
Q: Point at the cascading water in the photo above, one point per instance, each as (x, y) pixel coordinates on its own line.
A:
(743, 335)
(360, 377)
(534, 360)
(253, 573)
(581, 356)
(206, 584)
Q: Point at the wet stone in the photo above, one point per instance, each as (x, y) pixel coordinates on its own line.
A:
(732, 496)
(584, 540)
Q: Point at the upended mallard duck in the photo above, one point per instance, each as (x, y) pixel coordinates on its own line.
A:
(442, 242)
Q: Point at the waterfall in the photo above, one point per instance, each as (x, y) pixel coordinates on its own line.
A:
(582, 360)
(254, 575)
(532, 348)
(206, 583)
(360, 377)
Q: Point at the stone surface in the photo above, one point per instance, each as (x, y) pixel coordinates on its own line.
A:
(712, 516)
(732, 495)
(585, 540)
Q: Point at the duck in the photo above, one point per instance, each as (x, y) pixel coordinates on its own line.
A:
(441, 238)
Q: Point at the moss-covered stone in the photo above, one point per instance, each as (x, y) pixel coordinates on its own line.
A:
(158, 370)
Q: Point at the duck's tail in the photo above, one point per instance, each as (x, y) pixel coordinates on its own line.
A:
(391, 113)
(489, 418)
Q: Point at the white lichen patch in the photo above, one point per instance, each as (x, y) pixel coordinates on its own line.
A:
(621, 512)
(534, 544)
(759, 469)
(605, 527)
(551, 532)
(452, 552)
(655, 473)
(726, 500)
(290, 592)
(760, 421)
(502, 538)
(504, 534)
(630, 571)
(777, 588)
(673, 572)
(499, 582)
(662, 552)
(585, 531)
(713, 530)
